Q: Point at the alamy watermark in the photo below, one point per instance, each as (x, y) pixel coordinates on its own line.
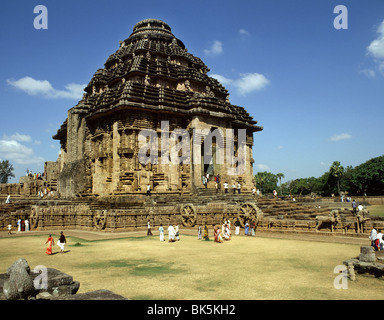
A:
(41, 280)
(201, 146)
(341, 280)
(41, 20)
(341, 20)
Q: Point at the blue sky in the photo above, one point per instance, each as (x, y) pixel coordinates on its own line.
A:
(317, 90)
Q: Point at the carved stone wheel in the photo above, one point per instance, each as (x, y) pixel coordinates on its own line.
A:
(100, 219)
(188, 215)
(248, 211)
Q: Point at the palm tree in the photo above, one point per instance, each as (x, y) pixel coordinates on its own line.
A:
(280, 176)
(336, 170)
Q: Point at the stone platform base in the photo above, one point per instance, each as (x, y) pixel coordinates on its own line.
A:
(369, 262)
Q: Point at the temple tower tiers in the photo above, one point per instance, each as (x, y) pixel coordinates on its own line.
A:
(153, 116)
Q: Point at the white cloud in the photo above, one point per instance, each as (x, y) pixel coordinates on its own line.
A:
(262, 167)
(35, 87)
(223, 80)
(14, 151)
(376, 48)
(342, 136)
(18, 137)
(368, 72)
(215, 49)
(243, 32)
(247, 83)
(251, 82)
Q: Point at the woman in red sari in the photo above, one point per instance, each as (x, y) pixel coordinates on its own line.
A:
(216, 234)
(50, 242)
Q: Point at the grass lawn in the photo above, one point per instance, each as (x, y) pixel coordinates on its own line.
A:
(241, 269)
(376, 210)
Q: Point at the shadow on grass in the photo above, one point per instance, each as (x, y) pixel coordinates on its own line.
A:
(139, 267)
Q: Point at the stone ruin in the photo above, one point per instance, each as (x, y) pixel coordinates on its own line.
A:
(368, 262)
(131, 213)
(152, 88)
(22, 283)
(99, 180)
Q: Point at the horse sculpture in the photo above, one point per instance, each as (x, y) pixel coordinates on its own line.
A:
(331, 220)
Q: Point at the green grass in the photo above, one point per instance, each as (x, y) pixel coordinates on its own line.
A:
(376, 210)
(245, 268)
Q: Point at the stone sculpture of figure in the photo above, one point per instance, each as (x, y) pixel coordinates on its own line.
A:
(361, 218)
(332, 219)
(20, 284)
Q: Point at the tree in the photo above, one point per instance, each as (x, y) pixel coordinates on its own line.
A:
(259, 181)
(280, 176)
(291, 186)
(303, 186)
(368, 177)
(267, 181)
(6, 171)
(336, 171)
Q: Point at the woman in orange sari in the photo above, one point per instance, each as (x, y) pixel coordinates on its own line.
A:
(50, 242)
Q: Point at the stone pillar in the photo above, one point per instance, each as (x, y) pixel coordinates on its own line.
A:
(367, 254)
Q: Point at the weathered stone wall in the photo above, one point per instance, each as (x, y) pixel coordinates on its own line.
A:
(73, 180)
(127, 213)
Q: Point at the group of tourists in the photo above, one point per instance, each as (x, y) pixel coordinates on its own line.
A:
(236, 187)
(45, 192)
(250, 228)
(356, 208)
(220, 234)
(22, 225)
(173, 233)
(376, 237)
(224, 234)
(36, 176)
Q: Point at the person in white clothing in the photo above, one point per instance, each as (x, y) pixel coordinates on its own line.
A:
(373, 237)
(161, 230)
(171, 233)
(380, 238)
(237, 225)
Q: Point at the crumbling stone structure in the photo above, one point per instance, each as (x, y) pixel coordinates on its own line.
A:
(22, 283)
(152, 84)
(369, 262)
(153, 117)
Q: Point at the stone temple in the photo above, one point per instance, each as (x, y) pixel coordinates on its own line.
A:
(152, 85)
(153, 117)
